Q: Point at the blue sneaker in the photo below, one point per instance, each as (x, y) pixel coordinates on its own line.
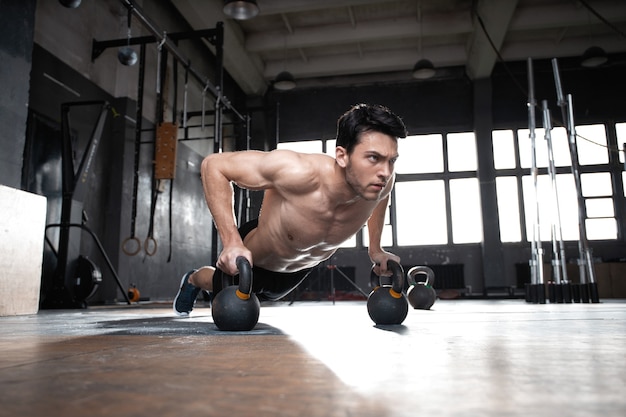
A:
(186, 297)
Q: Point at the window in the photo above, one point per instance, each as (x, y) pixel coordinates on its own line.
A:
(503, 149)
(305, 146)
(420, 154)
(330, 147)
(567, 215)
(560, 148)
(433, 205)
(620, 129)
(508, 209)
(559, 207)
(465, 210)
(386, 239)
(461, 151)
(591, 145)
(597, 189)
(421, 213)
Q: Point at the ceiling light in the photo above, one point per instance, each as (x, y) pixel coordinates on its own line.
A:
(284, 81)
(594, 57)
(423, 69)
(241, 9)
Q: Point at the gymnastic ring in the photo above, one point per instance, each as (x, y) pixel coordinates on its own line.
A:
(128, 252)
(146, 246)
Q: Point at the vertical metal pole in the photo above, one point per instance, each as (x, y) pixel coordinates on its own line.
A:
(582, 211)
(562, 290)
(556, 257)
(247, 192)
(585, 261)
(536, 262)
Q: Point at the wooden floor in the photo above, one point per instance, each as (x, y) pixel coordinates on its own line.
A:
(463, 358)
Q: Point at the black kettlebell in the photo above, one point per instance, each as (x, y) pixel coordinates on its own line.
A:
(236, 308)
(421, 294)
(387, 304)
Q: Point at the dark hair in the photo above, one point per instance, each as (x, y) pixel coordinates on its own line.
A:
(363, 118)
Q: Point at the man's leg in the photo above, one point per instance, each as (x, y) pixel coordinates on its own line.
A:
(203, 278)
(190, 286)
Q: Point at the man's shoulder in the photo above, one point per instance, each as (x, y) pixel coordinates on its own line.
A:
(302, 173)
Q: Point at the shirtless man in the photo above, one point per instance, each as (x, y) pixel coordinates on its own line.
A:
(312, 203)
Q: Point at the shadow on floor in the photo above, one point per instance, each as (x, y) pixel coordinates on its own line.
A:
(173, 326)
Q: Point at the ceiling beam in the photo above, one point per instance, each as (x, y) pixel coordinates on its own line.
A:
(242, 66)
(436, 25)
(295, 6)
(396, 60)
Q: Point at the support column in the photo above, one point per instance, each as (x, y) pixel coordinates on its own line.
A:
(493, 264)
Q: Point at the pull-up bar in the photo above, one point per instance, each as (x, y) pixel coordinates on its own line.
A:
(162, 38)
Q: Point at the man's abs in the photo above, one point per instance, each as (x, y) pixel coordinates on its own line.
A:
(278, 255)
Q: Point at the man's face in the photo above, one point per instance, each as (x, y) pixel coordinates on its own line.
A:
(370, 166)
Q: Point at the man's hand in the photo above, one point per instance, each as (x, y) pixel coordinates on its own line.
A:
(227, 259)
(380, 259)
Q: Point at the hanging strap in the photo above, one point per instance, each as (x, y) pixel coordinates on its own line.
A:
(169, 257)
(150, 244)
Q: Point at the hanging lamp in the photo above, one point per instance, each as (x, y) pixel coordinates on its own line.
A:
(423, 68)
(284, 81)
(241, 9)
(594, 57)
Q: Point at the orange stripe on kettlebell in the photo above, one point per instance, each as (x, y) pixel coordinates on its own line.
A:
(242, 295)
(395, 294)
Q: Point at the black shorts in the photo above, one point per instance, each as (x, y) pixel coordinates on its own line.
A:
(267, 285)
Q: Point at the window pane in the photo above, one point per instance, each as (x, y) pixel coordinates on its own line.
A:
(503, 149)
(421, 213)
(596, 184)
(568, 205)
(331, 144)
(601, 229)
(305, 146)
(599, 207)
(420, 154)
(350, 243)
(465, 210)
(620, 130)
(508, 209)
(461, 152)
(591, 145)
(560, 148)
(386, 239)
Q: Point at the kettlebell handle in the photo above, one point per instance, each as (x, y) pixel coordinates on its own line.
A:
(430, 275)
(245, 278)
(397, 283)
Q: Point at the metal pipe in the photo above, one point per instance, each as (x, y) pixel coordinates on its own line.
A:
(171, 47)
(585, 261)
(558, 249)
(537, 250)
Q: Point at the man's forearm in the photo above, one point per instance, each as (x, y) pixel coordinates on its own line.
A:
(375, 225)
(219, 195)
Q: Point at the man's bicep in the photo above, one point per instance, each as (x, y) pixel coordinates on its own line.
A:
(238, 167)
(256, 170)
